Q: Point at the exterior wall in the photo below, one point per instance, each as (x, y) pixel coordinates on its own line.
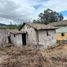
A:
(60, 37)
(45, 40)
(3, 37)
(31, 34)
(4, 33)
(16, 40)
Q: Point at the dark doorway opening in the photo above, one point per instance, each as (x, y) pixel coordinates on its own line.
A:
(9, 39)
(24, 38)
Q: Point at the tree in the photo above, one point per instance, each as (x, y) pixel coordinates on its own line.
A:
(49, 16)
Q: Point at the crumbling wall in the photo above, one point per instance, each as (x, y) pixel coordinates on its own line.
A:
(3, 37)
(47, 40)
(31, 34)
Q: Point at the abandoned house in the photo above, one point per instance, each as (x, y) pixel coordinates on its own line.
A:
(61, 35)
(34, 34)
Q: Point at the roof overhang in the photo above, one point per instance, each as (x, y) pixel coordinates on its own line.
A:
(18, 32)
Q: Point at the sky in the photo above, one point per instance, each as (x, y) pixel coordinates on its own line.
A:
(18, 11)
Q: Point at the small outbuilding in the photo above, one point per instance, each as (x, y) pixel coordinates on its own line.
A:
(18, 38)
(40, 35)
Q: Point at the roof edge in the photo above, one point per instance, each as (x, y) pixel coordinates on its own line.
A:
(27, 24)
(21, 26)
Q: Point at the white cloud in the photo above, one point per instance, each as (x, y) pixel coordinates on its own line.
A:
(65, 18)
(57, 5)
(26, 10)
(16, 10)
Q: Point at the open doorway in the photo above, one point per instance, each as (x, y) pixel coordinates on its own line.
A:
(9, 39)
(24, 38)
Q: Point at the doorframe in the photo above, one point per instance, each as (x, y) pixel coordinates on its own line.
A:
(9, 39)
(24, 39)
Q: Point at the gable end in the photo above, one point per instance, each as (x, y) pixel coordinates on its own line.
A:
(27, 24)
(21, 26)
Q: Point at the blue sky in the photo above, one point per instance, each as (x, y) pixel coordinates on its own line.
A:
(64, 13)
(18, 11)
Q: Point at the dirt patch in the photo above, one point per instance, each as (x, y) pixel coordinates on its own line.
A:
(56, 57)
(20, 57)
(27, 57)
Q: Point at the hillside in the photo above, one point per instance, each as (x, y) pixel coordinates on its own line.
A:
(1, 24)
(26, 57)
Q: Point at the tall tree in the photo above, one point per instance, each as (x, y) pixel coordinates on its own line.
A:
(49, 16)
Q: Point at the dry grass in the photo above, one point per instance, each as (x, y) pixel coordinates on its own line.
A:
(20, 57)
(56, 57)
(28, 57)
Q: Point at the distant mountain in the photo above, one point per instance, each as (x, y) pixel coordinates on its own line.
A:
(1, 24)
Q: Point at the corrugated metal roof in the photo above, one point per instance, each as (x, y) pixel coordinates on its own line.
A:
(62, 30)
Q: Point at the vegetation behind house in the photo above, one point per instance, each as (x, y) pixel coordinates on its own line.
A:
(49, 16)
(9, 27)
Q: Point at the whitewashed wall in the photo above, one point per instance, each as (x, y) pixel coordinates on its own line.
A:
(31, 34)
(16, 40)
(45, 40)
